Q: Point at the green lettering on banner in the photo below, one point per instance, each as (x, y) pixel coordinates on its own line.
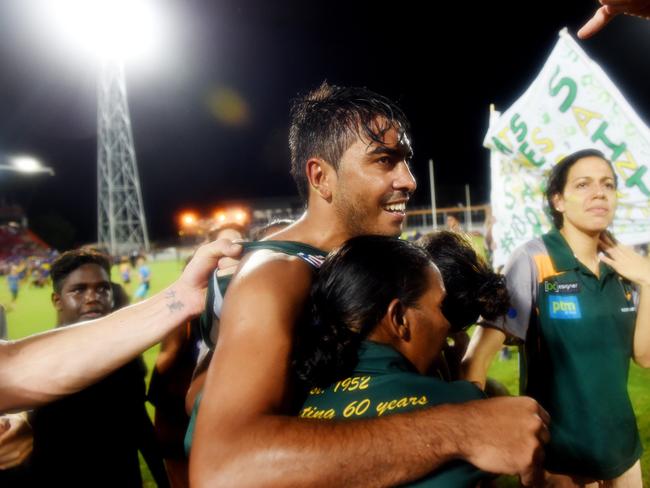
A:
(529, 154)
(599, 135)
(564, 82)
(511, 204)
(635, 180)
(518, 127)
(501, 146)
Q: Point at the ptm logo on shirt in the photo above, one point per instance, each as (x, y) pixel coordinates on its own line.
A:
(562, 288)
(564, 307)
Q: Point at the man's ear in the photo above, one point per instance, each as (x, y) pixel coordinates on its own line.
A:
(56, 301)
(320, 175)
(398, 320)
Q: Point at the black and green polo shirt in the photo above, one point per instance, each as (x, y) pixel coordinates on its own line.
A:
(384, 383)
(578, 332)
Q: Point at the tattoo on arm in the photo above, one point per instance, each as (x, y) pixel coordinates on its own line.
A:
(173, 305)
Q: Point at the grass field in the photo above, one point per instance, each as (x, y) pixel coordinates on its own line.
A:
(33, 313)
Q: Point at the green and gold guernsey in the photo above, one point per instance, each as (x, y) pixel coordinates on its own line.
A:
(217, 289)
(384, 383)
(218, 284)
(577, 331)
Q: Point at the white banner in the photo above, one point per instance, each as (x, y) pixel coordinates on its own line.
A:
(572, 105)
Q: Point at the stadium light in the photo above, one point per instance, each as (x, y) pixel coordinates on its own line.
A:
(231, 215)
(27, 165)
(108, 29)
(220, 216)
(240, 216)
(189, 219)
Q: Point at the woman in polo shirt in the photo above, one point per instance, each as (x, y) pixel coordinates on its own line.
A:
(378, 304)
(573, 309)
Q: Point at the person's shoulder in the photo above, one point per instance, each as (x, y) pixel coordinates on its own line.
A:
(274, 270)
(529, 249)
(271, 258)
(526, 254)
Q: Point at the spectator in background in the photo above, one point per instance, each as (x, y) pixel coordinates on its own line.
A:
(13, 280)
(453, 223)
(92, 437)
(145, 279)
(125, 271)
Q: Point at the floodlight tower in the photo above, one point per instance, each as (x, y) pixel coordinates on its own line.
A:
(121, 221)
(109, 32)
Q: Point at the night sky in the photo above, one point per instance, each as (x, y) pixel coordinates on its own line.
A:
(444, 64)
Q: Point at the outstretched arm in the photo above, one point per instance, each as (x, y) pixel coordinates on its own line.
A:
(609, 10)
(46, 366)
(243, 437)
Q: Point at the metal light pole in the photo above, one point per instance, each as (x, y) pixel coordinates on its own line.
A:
(120, 214)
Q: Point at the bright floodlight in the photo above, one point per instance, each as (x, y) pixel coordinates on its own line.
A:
(188, 219)
(28, 164)
(108, 28)
(220, 216)
(240, 216)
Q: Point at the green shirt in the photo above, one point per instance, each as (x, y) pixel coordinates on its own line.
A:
(578, 331)
(384, 383)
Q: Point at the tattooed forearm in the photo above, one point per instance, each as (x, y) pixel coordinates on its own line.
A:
(173, 305)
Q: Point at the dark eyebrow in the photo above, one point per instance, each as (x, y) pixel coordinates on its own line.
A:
(401, 151)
